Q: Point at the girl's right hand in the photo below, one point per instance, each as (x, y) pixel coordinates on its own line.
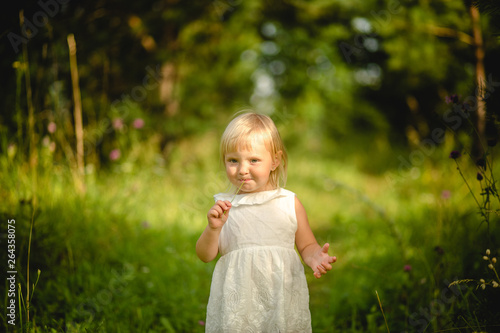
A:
(218, 214)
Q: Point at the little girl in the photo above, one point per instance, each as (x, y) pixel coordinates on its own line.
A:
(258, 284)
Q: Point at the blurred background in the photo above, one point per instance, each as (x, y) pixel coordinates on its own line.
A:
(111, 114)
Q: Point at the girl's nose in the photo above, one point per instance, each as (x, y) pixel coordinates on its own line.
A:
(243, 169)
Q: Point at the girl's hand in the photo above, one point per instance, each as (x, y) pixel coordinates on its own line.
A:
(321, 261)
(218, 214)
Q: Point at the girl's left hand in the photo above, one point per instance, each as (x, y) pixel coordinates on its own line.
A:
(321, 262)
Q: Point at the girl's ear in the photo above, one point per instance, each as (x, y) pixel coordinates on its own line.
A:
(277, 160)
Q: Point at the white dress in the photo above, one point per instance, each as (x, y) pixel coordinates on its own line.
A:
(258, 284)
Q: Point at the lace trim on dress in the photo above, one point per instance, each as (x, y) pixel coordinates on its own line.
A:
(256, 198)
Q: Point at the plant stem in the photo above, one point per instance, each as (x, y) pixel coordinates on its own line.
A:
(235, 194)
(383, 314)
(466, 183)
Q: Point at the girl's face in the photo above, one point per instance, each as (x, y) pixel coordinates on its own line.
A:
(252, 166)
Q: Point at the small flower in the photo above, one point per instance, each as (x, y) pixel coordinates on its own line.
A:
(479, 176)
(138, 123)
(483, 286)
(494, 284)
(439, 250)
(482, 281)
(117, 123)
(490, 266)
(52, 127)
(407, 268)
(455, 154)
(201, 323)
(485, 258)
(488, 252)
(446, 194)
(114, 154)
(494, 260)
(481, 163)
(145, 225)
(451, 99)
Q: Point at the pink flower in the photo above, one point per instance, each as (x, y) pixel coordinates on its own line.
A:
(117, 123)
(52, 127)
(114, 154)
(138, 123)
(407, 268)
(446, 194)
(201, 323)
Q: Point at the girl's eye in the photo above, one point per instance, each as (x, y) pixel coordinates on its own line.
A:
(254, 161)
(231, 160)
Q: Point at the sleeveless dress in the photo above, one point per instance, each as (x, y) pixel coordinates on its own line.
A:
(258, 284)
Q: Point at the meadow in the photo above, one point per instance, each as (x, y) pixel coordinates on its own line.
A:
(120, 256)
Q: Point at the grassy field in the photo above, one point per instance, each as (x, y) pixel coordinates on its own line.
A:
(121, 258)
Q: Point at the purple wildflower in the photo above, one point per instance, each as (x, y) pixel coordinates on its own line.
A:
(138, 123)
(52, 127)
(117, 123)
(407, 268)
(492, 142)
(446, 194)
(114, 154)
(452, 99)
(481, 163)
(439, 250)
(455, 154)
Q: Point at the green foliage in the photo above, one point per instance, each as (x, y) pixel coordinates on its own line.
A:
(121, 257)
(356, 89)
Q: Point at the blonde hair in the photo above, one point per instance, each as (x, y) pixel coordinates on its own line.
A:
(245, 127)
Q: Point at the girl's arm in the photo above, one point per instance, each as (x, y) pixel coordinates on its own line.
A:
(207, 246)
(311, 252)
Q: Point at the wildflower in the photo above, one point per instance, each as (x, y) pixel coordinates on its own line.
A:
(479, 176)
(490, 266)
(114, 154)
(52, 127)
(446, 194)
(482, 281)
(483, 286)
(494, 284)
(455, 154)
(485, 258)
(407, 268)
(494, 260)
(138, 123)
(481, 163)
(452, 99)
(201, 323)
(117, 123)
(439, 250)
(488, 252)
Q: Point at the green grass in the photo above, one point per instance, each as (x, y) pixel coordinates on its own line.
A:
(121, 257)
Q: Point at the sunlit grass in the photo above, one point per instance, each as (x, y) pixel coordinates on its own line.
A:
(121, 256)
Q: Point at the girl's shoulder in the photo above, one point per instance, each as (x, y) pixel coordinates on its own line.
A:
(254, 198)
